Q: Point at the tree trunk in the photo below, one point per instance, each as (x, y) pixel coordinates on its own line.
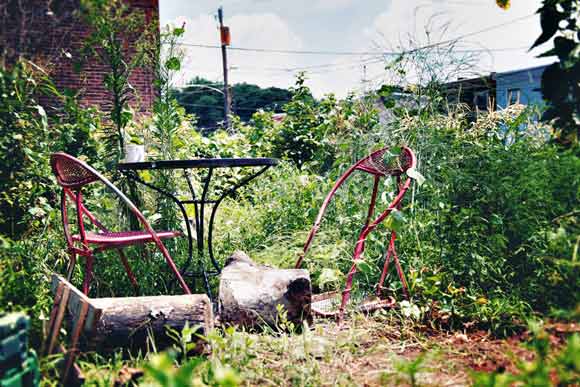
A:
(249, 293)
(127, 322)
(113, 323)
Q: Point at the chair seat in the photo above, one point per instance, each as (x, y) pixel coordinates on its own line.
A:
(125, 238)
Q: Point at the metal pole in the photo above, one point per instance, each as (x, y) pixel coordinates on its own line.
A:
(225, 67)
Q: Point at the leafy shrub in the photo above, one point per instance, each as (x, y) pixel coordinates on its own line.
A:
(35, 120)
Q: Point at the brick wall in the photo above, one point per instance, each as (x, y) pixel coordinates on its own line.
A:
(50, 33)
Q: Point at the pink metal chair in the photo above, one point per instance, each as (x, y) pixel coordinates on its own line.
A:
(381, 163)
(72, 175)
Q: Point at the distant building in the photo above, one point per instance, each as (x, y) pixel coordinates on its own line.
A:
(479, 94)
(519, 87)
(497, 90)
(50, 33)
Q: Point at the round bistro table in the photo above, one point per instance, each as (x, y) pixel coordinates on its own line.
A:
(199, 202)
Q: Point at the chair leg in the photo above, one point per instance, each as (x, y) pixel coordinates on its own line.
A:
(173, 267)
(346, 292)
(129, 271)
(88, 274)
(390, 249)
(401, 274)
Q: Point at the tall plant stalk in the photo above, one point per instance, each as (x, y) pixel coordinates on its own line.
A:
(115, 28)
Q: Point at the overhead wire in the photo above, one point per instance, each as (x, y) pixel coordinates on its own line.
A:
(362, 53)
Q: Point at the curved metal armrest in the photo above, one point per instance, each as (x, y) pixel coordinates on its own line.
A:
(321, 213)
(370, 226)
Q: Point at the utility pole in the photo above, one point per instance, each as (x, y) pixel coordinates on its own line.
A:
(225, 41)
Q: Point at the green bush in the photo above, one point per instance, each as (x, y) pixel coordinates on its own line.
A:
(35, 120)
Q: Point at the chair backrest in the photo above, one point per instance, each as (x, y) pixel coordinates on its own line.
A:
(384, 162)
(71, 172)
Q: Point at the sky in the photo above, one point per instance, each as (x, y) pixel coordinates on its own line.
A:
(363, 29)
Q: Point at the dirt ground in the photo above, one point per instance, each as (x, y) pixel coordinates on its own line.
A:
(373, 353)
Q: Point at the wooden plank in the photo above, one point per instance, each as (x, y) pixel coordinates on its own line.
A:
(76, 299)
(57, 323)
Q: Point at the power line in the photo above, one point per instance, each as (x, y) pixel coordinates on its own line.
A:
(362, 53)
(215, 106)
(487, 29)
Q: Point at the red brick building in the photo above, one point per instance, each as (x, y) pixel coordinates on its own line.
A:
(51, 32)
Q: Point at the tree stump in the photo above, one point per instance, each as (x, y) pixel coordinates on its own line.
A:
(249, 293)
(127, 322)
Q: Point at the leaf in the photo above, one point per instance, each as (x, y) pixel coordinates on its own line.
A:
(328, 276)
(364, 267)
(396, 220)
(146, 176)
(415, 175)
(179, 31)
(549, 19)
(154, 218)
(173, 63)
(552, 86)
(43, 117)
(389, 103)
(563, 47)
(386, 90)
(504, 4)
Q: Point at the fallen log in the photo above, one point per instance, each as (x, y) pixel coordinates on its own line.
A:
(249, 293)
(112, 323)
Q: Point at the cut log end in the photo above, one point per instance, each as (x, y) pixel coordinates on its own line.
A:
(250, 294)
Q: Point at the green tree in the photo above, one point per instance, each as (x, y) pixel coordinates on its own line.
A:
(30, 131)
(204, 99)
(121, 41)
(560, 20)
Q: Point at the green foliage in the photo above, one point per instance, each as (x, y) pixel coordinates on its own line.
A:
(113, 24)
(505, 4)
(560, 19)
(561, 370)
(490, 235)
(411, 368)
(164, 372)
(35, 120)
(204, 99)
(487, 236)
(167, 133)
(301, 137)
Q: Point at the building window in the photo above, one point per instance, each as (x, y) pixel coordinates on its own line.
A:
(513, 96)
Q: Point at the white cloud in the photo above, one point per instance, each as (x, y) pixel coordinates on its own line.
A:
(449, 20)
(264, 31)
(332, 4)
(274, 26)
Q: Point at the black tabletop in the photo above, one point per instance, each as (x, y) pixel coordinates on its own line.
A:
(198, 163)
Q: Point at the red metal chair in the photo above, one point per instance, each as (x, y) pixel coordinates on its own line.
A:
(381, 163)
(72, 175)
